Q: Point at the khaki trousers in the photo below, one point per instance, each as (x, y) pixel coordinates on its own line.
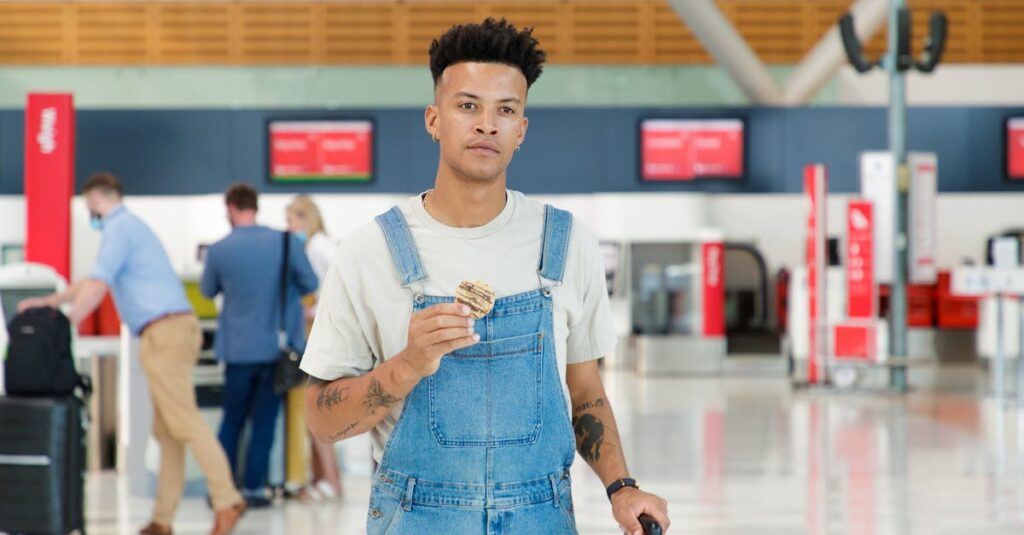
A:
(169, 351)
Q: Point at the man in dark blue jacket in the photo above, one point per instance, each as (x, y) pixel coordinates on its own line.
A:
(246, 268)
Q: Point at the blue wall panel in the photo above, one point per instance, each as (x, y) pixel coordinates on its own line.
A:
(567, 150)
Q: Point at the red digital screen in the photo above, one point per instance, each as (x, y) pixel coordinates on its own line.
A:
(1015, 148)
(321, 151)
(687, 149)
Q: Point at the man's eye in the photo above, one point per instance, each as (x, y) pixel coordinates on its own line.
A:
(507, 109)
(467, 105)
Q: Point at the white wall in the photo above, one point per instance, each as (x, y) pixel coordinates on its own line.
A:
(775, 223)
(184, 222)
(12, 219)
(954, 85)
(772, 223)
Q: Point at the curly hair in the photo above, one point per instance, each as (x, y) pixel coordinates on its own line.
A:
(492, 41)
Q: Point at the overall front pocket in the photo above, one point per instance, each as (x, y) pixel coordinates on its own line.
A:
(489, 394)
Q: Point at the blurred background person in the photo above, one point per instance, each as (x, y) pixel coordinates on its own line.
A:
(306, 221)
(246, 268)
(133, 265)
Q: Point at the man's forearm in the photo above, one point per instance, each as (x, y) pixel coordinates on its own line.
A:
(340, 409)
(57, 299)
(87, 295)
(597, 436)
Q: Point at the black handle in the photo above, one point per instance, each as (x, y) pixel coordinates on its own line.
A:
(285, 253)
(854, 50)
(935, 44)
(650, 525)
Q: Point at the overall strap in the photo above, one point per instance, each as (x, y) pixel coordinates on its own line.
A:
(557, 227)
(403, 249)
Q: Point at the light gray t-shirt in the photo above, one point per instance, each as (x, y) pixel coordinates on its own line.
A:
(364, 312)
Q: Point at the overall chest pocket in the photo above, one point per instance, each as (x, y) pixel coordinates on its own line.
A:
(489, 394)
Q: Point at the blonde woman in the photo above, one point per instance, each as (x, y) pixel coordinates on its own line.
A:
(305, 222)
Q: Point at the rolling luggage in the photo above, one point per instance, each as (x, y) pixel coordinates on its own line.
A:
(42, 460)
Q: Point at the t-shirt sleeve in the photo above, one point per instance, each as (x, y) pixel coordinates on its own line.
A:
(112, 257)
(337, 346)
(593, 336)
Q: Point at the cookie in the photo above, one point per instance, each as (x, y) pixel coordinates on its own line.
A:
(477, 295)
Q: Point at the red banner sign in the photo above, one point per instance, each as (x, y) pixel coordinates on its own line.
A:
(321, 150)
(49, 179)
(861, 296)
(815, 191)
(1015, 148)
(713, 259)
(685, 149)
(854, 342)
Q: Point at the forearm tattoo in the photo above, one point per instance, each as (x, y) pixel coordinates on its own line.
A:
(589, 430)
(330, 396)
(588, 405)
(345, 431)
(377, 397)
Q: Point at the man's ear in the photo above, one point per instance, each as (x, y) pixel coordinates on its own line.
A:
(430, 120)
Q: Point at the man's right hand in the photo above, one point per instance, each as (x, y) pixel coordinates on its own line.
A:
(33, 302)
(433, 333)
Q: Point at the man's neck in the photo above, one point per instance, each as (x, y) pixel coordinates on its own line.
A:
(465, 204)
(245, 220)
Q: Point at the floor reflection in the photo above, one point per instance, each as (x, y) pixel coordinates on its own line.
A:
(742, 456)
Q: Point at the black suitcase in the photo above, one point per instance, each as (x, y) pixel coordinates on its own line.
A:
(42, 461)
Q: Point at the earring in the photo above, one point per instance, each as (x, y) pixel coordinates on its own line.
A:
(518, 147)
(434, 137)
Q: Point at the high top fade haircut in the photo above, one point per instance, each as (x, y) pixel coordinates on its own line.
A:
(492, 41)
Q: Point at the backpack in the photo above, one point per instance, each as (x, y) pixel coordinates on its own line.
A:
(39, 361)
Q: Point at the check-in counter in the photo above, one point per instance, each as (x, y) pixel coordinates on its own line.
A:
(675, 295)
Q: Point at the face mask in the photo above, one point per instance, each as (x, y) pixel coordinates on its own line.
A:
(96, 222)
(301, 236)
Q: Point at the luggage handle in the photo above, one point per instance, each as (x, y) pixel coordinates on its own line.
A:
(650, 525)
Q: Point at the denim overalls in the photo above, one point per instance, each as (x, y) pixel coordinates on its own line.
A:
(484, 445)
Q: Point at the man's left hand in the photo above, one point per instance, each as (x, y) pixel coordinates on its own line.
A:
(629, 503)
(33, 302)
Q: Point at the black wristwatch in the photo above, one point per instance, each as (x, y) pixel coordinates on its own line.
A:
(618, 484)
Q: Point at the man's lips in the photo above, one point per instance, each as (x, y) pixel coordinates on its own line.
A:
(485, 148)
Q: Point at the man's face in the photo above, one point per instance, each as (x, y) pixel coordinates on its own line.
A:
(478, 115)
(296, 223)
(97, 203)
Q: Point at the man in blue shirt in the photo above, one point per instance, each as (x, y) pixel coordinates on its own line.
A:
(133, 265)
(246, 268)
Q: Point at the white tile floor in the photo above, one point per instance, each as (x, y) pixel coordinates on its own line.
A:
(742, 456)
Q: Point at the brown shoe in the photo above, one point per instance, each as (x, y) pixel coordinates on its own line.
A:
(156, 529)
(225, 520)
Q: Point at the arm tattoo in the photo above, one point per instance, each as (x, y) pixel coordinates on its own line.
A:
(589, 436)
(377, 397)
(331, 396)
(589, 430)
(599, 402)
(343, 432)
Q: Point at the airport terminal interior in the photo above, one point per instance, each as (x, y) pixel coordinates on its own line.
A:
(809, 215)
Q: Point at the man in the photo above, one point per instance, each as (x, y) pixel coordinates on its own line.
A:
(132, 264)
(246, 268)
(471, 419)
